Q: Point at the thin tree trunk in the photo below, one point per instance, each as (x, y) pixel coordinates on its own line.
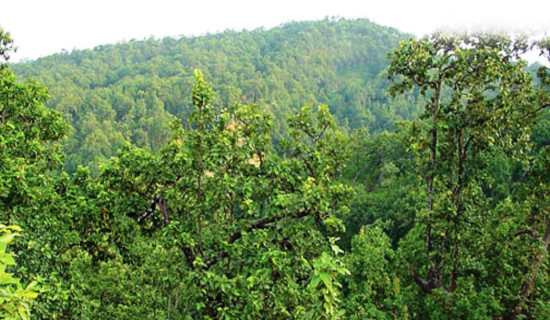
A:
(431, 174)
(177, 298)
(431, 279)
(528, 285)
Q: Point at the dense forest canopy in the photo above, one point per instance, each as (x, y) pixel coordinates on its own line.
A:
(291, 173)
(132, 91)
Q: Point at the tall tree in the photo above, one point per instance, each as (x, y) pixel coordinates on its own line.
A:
(220, 223)
(537, 219)
(479, 99)
(28, 152)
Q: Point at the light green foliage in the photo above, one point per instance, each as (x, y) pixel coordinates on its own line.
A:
(325, 285)
(373, 290)
(26, 130)
(6, 45)
(15, 300)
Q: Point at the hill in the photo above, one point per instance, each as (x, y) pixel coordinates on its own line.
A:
(132, 91)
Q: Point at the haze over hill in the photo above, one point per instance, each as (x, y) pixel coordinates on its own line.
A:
(41, 28)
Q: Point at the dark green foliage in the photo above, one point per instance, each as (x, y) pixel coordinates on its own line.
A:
(382, 170)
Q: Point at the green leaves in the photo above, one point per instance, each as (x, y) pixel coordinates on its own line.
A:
(6, 45)
(221, 219)
(29, 156)
(202, 93)
(373, 288)
(15, 300)
(325, 285)
(480, 105)
(135, 89)
(216, 219)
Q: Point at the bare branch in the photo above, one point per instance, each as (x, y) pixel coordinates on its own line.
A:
(150, 210)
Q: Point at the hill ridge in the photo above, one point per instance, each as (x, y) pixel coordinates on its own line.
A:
(131, 91)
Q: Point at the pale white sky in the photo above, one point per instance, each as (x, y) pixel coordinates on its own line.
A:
(43, 27)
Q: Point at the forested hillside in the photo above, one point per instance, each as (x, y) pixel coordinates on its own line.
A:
(274, 207)
(131, 91)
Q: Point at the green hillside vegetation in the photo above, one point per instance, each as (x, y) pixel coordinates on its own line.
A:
(132, 91)
(268, 210)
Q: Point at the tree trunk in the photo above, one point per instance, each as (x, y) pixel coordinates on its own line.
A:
(431, 174)
(528, 285)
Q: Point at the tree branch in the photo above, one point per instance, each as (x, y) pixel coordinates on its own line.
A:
(164, 211)
(526, 231)
(260, 224)
(190, 256)
(426, 286)
(150, 210)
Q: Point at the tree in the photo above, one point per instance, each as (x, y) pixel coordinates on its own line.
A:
(217, 224)
(6, 45)
(29, 155)
(534, 228)
(536, 221)
(133, 88)
(479, 99)
(387, 186)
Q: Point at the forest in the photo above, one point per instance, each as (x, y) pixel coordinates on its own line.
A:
(333, 169)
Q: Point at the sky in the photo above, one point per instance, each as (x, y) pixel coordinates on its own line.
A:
(44, 27)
